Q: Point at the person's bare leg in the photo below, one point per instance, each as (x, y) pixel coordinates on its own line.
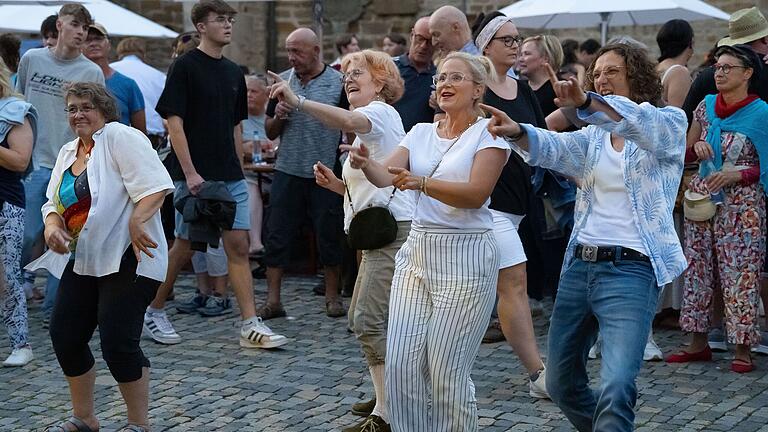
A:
(81, 392)
(257, 212)
(332, 281)
(236, 247)
(136, 397)
(219, 285)
(203, 283)
(178, 255)
(274, 281)
(515, 317)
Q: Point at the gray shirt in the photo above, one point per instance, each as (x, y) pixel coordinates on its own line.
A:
(42, 80)
(305, 140)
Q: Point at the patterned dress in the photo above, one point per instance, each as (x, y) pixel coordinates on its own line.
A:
(726, 251)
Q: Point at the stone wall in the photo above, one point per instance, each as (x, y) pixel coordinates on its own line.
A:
(258, 40)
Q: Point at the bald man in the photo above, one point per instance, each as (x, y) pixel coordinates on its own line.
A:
(450, 31)
(295, 196)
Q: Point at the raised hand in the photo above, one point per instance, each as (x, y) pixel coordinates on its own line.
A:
(404, 180)
(569, 92)
(281, 90)
(358, 156)
(324, 177)
(500, 124)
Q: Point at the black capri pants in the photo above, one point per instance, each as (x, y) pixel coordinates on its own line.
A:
(116, 303)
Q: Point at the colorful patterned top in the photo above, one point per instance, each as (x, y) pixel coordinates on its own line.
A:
(73, 201)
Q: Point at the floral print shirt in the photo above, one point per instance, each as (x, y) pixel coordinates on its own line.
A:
(654, 149)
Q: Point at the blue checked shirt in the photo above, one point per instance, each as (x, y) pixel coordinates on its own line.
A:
(654, 150)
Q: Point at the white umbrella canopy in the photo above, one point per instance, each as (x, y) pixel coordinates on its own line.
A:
(555, 14)
(25, 16)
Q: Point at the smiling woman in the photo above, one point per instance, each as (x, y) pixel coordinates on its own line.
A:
(106, 244)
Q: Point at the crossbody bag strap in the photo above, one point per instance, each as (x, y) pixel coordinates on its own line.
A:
(349, 196)
(439, 161)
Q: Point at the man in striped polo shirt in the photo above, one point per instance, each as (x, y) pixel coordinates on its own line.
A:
(303, 142)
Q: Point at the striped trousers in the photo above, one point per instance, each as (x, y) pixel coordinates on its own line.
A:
(441, 300)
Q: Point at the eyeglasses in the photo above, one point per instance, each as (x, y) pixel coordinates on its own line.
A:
(351, 76)
(452, 77)
(726, 68)
(609, 73)
(509, 41)
(221, 19)
(74, 109)
(420, 40)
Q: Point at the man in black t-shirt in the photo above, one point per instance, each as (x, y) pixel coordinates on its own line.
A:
(204, 101)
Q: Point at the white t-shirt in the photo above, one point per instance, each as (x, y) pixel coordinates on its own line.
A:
(383, 138)
(425, 150)
(151, 83)
(611, 222)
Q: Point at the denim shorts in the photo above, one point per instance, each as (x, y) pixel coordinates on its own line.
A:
(239, 191)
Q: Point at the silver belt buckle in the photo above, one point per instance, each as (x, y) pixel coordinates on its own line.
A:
(589, 253)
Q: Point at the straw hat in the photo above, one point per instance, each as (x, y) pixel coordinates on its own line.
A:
(744, 26)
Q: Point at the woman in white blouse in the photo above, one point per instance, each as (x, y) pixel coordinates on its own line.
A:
(445, 273)
(106, 243)
(372, 83)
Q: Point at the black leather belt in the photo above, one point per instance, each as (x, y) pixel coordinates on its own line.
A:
(608, 253)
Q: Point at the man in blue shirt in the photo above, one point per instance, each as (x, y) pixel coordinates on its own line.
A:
(416, 70)
(130, 101)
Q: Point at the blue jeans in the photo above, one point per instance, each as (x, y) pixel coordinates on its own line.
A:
(35, 187)
(618, 298)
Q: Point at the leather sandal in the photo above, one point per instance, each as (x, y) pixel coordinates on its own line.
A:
(79, 425)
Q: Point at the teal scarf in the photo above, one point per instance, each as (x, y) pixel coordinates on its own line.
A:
(749, 121)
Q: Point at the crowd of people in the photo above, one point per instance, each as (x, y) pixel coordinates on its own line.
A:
(451, 180)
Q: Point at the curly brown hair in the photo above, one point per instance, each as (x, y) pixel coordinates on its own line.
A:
(644, 82)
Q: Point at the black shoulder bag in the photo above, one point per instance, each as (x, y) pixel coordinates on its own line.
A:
(373, 227)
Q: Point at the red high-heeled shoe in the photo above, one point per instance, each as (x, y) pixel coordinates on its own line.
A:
(685, 357)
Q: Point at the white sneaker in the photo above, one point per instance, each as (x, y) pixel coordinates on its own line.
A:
(762, 347)
(594, 352)
(255, 334)
(538, 389)
(652, 351)
(19, 357)
(158, 327)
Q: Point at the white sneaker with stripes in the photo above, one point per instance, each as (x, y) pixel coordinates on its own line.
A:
(255, 334)
(159, 327)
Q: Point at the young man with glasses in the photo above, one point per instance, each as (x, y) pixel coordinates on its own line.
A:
(44, 73)
(204, 102)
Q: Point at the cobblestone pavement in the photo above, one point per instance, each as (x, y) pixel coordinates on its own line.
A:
(209, 383)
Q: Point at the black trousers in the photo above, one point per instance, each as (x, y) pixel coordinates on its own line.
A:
(116, 304)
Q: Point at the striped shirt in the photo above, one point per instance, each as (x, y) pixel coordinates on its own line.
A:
(304, 140)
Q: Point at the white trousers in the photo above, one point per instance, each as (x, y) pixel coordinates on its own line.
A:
(441, 300)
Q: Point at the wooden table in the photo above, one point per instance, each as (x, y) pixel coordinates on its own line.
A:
(261, 168)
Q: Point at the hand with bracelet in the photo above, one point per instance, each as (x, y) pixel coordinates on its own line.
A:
(281, 90)
(404, 180)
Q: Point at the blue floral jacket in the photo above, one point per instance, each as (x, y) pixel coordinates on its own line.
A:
(654, 151)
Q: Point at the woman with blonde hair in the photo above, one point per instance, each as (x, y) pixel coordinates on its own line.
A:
(17, 135)
(446, 271)
(536, 52)
(372, 84)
